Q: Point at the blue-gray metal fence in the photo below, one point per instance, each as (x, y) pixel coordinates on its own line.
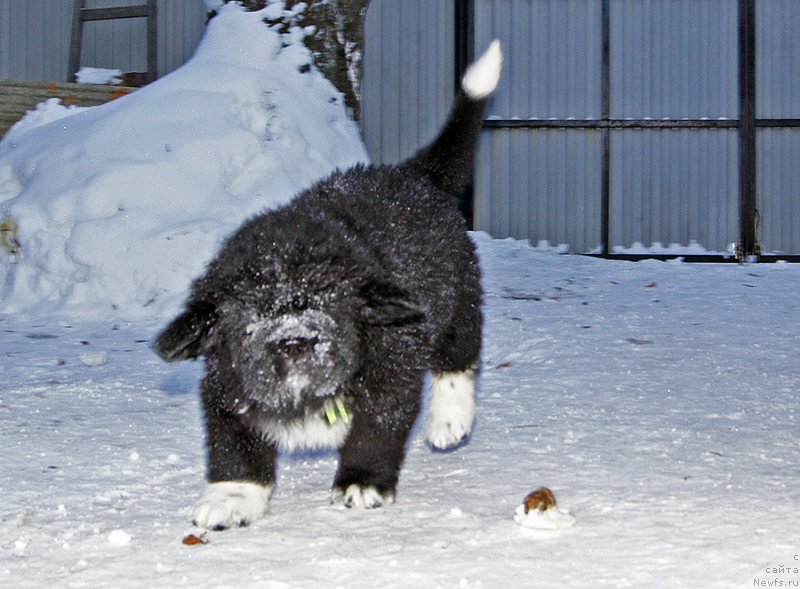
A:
(629, 125)
(619, 125)
(35, 37)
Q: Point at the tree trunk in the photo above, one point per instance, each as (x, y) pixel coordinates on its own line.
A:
(338, 45)
(337, 42)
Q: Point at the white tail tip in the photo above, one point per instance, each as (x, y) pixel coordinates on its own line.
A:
(482, 76)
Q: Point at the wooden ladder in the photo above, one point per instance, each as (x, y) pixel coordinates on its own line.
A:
(81, 14)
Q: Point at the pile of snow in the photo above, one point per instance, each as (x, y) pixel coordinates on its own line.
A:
(119, 206)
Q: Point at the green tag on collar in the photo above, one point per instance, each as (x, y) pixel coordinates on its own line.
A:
(342, 410)
(330, 411)
(335, 409)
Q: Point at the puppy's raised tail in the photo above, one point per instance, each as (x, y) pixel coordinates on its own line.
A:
(449, 159)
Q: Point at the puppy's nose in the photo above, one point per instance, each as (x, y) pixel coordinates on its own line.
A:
(297, 347)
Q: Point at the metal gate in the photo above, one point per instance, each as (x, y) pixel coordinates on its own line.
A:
(642, 128)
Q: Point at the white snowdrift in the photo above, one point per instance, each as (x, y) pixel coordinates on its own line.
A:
(119, 206)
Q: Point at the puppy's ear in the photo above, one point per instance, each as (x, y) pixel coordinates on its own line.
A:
(386, 304)
(186, 336)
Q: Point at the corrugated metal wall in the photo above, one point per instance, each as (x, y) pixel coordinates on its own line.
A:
(552, 56)
(541, 184)
(34, 39)
(35, 35)
(779, 189)
(667, 186)
(674, 186)
(181, 25)
(408, 75)
(676, 59)
(778, 54)
(778, 96)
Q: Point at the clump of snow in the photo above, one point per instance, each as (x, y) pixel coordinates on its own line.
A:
(98, 75)
(119, 206)
(119, 538)
(94, 358)
(45, 112)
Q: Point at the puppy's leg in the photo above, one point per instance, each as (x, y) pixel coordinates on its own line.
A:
(370, 460)
(241, 467)
(455, 369)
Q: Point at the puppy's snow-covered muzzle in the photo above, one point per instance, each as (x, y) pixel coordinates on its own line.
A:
(292, 362)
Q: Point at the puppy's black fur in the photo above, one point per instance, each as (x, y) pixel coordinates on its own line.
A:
(353, 291)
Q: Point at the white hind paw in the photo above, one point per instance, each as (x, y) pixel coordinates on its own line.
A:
(452, 409)
(358, 497)
(446, 435)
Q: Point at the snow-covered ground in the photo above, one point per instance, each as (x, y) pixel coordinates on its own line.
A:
(658, 400)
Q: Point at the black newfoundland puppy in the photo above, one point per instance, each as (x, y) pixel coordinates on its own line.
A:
(319, 321)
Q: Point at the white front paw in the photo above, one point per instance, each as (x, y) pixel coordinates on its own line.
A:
(361, 497)
(228, 504)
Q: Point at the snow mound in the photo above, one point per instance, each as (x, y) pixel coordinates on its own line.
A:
(119, 206)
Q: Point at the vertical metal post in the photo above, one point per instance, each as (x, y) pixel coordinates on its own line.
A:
(152, 40)
(464, 37)
(76, 39)
(748, 244)
(605, 115)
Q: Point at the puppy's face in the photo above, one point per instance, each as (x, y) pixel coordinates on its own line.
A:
(289, 359)
(289, 348)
